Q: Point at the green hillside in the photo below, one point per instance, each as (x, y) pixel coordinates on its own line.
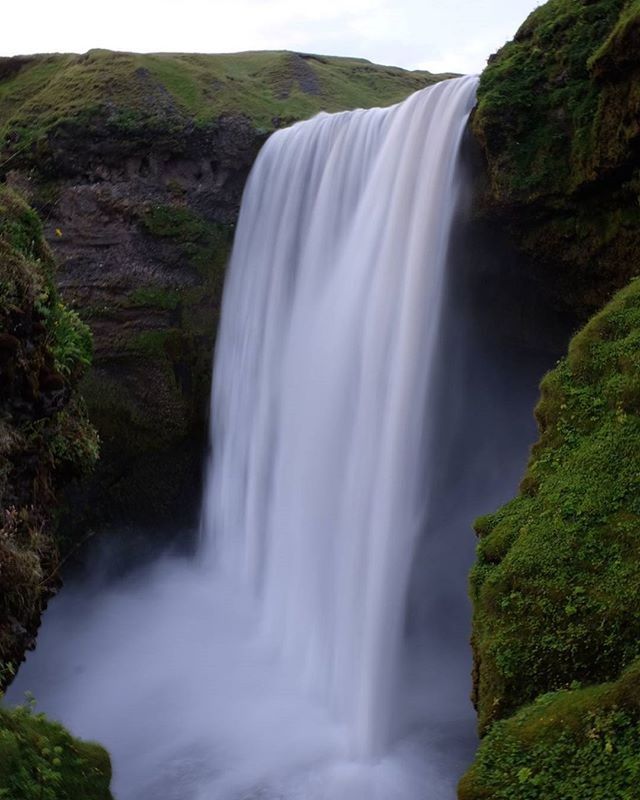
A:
(39, 93)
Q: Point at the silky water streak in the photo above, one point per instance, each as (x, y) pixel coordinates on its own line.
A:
(322, 397)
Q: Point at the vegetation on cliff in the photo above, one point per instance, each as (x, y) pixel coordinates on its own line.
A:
(557, 583)
(558, 118)
(148, 393)
(45, 441)
(556, 586)
(45, 438)
(574, 744)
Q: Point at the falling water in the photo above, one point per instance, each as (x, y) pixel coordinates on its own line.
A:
(322, 404)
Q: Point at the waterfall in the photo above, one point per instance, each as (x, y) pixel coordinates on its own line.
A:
(372, 396)
(322, 401)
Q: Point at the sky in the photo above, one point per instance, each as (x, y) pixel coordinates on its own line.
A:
(438, 35)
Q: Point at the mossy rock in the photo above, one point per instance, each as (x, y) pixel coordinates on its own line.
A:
(40, 760)
(46, 440)
(579, 744)
(539, 109)
(148, 392)
(558, 119)
(556, 586)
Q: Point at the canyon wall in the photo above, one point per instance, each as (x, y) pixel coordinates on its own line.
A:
(555, 634)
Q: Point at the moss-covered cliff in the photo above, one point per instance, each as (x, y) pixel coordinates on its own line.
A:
(45, 437)
(557, 583)
(578, 744)
(137, 164)
(555, 586)
(41, 96)
(45, 442)
(558, 119)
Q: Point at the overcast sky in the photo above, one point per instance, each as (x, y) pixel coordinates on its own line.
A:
(440, 35)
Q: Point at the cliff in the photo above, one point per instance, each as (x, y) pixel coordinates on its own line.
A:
(45, 438)
(137, 164)
(554, 589)
(557, 583)
(558, 119)
(578, 744)
(46, 441)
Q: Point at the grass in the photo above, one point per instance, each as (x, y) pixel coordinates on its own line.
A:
(575, 744)
(40, 760)
(155, 297)
(130, 91)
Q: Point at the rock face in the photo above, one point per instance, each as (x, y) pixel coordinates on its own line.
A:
(45, 437)
(46, 441)
(142, 246)
(558, 118)
(555, 584)
(137, 164)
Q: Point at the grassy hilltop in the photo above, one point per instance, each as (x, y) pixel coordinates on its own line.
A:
(128, 90)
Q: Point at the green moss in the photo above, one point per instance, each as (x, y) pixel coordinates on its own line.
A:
(158, 343)
(20, 227)
(70, 341)
(538, 108)
(46, 439)
(40, 760)
(572, 745)
(155, 297)
(558, 118)
(149, 414)
(205, 244)
(174, 222)
(620, 49)
(557, 583)
(28, 278)
(149, 456)
(73, 442)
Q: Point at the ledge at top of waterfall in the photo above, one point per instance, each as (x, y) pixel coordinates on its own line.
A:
(323, 382)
